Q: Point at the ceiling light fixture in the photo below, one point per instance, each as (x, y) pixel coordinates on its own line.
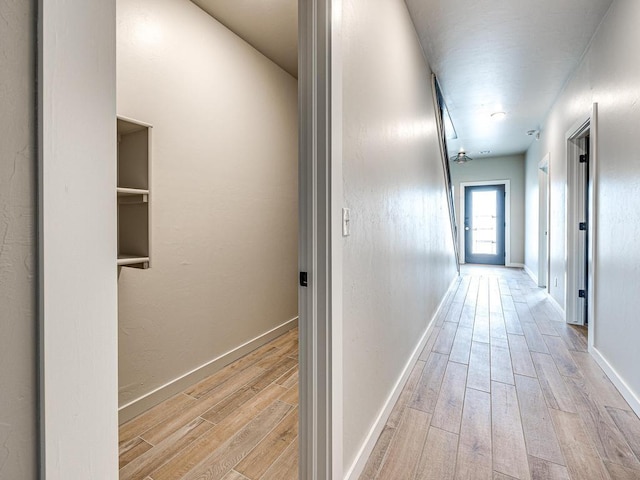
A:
(534, 132)
(498, 115)
(461, 158)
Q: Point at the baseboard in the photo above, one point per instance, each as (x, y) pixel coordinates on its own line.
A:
(557, 306)
(532, 275)
(516, 265)
(363, 454)
(628, 394)
(145, 402)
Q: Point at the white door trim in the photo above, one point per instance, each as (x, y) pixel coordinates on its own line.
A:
(320, 241)
(507, 217)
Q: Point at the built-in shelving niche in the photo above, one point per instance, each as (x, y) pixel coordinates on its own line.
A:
(133, 193)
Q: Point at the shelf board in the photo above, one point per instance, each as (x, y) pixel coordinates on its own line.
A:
(131, 191)
(124, 259)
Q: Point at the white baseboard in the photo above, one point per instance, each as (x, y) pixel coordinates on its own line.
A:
(632, 399)
(151, 399)
(515, 265)
(532, 275)
(368, 445)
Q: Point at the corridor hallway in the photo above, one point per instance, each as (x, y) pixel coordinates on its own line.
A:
(504, 389)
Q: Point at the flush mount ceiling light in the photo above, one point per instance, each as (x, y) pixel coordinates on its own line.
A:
(461, 158)
(498, 115)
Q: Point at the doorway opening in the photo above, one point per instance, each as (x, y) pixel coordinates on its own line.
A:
(581, 171)
(484, 208)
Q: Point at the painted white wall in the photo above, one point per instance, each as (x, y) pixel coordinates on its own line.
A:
(78, 290)
(223, 192)
(510, 167)
(399, 260)
(532, 198)
(608, 75)
(18, 320)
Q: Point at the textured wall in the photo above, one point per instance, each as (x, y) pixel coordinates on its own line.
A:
(497, 168)
(398, 261)
(223, 190)
(609, 75)
(18, 268)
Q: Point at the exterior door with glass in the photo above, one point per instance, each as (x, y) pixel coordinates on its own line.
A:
(484, 224)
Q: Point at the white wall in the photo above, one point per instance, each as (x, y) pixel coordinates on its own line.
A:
(509, 167)
(608, 75)
(223, 192)
(399, 260)
(77, 237)
(18, 318)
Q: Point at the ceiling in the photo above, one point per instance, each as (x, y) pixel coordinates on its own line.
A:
(270, 26)
(511, 56)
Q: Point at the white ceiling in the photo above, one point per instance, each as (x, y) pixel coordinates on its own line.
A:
(502, 55)
(270, 26)
(489, 55)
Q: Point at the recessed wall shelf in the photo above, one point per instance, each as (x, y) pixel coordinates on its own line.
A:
(133, 193)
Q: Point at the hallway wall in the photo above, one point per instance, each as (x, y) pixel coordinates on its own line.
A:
(18, 267)
(223, 195)
(399, 259)
(510, 167)
(609, 75)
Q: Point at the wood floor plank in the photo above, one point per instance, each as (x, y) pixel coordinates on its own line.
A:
(468, 314)
(379, 453)
(562, 357)
(607, 393)
(286, 466)
(224, 458)
(543, 470)
(520, 356)
(406, 446)
(233, 475)
(291, 396)
(629, 424)
(575, 337)
(289, 379)
(481, 331)
(577, 448)
(426, 392)
(600, 427)
(497, 327)
(132, 450)
(474, 449)
(426, 351)
(445, 338)
(533, 337)
(479, 376)
(538, 429)
(438, 456)
(512, 323)
(461, 348)
(270, 448)
(448, 410)
(133, 428)
(406, 395)
(502, 476)
(208, 400)
(553, 386)
(165, 451)
(501, 365)
(509, 450)
(618, 472)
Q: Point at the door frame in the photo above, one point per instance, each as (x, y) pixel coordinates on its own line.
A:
(586, 123)
(544, 207)
(78, 360)
(507, 217)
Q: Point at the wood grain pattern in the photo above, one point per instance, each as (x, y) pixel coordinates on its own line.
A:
(428, 388)
(618, 472)
(132, 449)
(539, 434)
(474, 449)
(407, 394)
(509, 451)
(534, 339)
(439, 451)
(553, 386)
(379, 453)
(448, 410)
(543, 470)
(286, 466)
(479, 377)
(445, 338)
(501, 365)
(608, 395)
(520, 356)
(562, 357)
(406, 446)
(577, 448)
(629, 424)
(461, 348)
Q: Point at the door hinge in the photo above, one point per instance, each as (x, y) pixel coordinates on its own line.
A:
(303, 279)
(582, 293)
(582, 225)
(584, 158)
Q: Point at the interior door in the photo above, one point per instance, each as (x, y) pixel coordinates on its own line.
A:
(484, 224)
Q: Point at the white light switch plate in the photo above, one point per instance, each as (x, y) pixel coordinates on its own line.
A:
(346, 222)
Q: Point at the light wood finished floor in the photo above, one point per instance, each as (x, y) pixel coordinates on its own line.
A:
(239, 424)
(505, 390)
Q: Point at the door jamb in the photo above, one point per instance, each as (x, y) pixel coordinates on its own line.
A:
(507, 217)
(588, 121)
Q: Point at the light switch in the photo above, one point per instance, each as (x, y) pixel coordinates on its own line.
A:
(346, 222)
